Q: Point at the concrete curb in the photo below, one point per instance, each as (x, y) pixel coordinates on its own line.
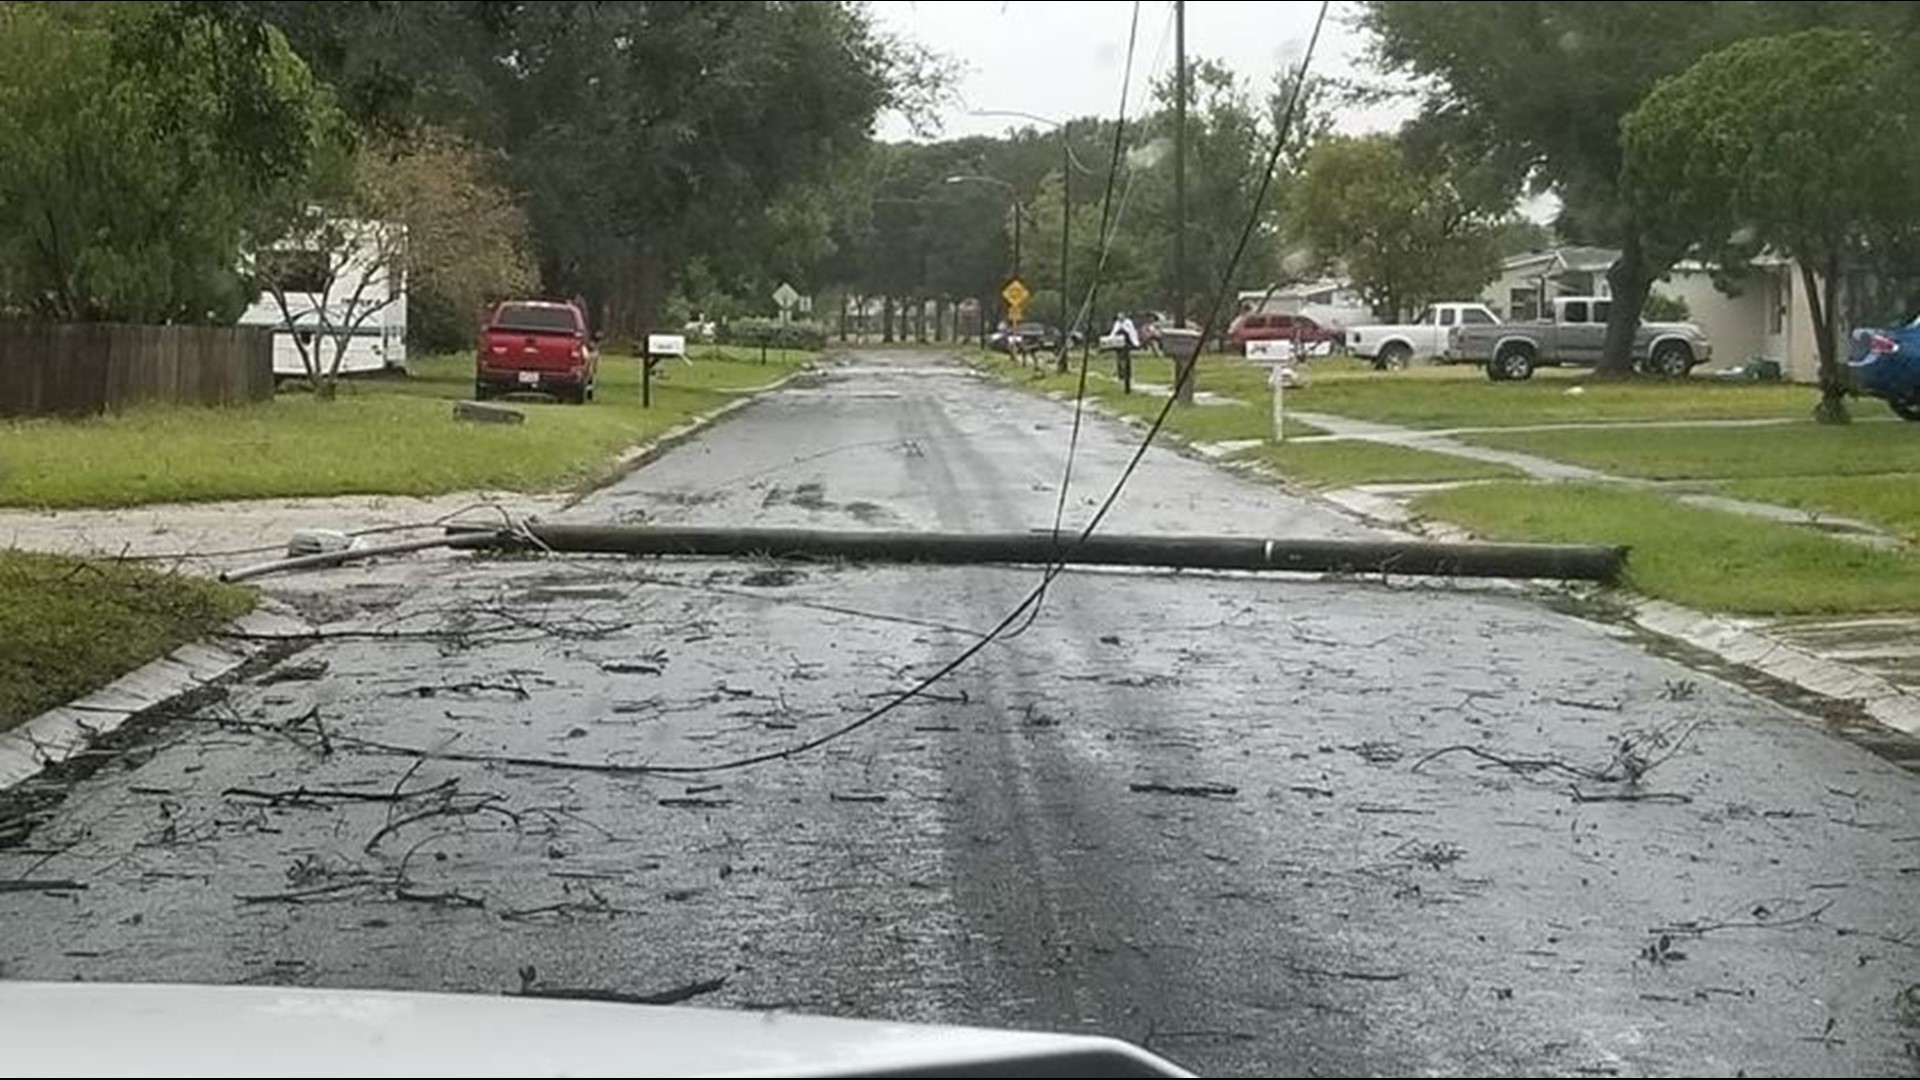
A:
(60, 733)
(636, 456)
(1726, 638)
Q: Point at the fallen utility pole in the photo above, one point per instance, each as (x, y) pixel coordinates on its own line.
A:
(1544, 561)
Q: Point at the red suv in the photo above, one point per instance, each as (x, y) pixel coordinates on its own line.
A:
(1261, 326)
(535, 346)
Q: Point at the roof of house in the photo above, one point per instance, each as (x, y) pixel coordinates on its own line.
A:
(1299, 290)
(1573, 257)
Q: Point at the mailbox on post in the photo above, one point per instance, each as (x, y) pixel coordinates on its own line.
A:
(1273, 351)
(657, 347)
(1182, 346)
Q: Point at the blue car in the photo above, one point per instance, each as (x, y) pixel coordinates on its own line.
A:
(1886, 365)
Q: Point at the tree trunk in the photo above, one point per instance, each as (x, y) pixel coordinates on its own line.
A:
(1629, 280)
(1823, 306)
(843, 318)
(886, 320)
(634, 307)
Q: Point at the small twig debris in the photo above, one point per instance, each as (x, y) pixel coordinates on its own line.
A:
(1201, 791)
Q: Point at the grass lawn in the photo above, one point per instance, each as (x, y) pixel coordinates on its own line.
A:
(1345, 463)
(69, 626)
(1229, 377)
(1891, 501)
(1806, 449)
(387, 436)
(1462, 396)
(1705, 559)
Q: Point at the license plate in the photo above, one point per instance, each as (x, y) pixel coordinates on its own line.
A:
(530, 378)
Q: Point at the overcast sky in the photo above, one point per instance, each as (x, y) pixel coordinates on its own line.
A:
(1066, 59)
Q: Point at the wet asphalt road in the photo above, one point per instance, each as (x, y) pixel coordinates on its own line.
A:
(1199, 812)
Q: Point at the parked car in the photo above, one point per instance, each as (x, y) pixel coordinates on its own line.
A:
(1886, 365)
(1033, 337)
(1574, 334)
(1394, 345)
(535, 346)
(1304, 332)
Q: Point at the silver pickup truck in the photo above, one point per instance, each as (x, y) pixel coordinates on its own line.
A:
(1574, 335)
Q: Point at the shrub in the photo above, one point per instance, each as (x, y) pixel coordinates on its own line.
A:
(808, 336)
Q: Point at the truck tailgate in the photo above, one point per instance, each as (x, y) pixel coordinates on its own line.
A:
(530, 351)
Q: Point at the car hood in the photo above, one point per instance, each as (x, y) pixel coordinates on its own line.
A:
(56, 1029)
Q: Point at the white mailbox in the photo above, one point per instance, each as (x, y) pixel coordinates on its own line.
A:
(1277, 351)
(666, 344)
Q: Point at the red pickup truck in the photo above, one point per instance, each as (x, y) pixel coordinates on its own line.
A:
(535, 346)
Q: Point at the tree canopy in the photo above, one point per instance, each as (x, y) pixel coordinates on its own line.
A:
(1406, 236)
(1800, 145)
(1538, 90)
(133, 141)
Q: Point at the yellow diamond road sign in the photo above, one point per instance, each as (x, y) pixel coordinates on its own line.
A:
(1015, 294)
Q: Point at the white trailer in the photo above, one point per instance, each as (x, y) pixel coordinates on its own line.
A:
(352, 285)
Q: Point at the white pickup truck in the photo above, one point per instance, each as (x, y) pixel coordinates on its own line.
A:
(1394, 345)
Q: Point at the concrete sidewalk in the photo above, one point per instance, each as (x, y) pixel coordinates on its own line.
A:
(1344, 429)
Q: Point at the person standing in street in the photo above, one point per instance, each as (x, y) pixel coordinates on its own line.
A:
(1126, 338)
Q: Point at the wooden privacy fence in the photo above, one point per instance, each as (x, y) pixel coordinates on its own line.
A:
(91, 368)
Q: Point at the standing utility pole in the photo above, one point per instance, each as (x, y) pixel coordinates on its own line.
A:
(1017, 215)
(1066, 247)
(1183, 373)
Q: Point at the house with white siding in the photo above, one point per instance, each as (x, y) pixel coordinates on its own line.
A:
(1760, 311)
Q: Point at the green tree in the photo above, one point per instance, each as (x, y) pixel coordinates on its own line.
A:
(641, 136)
(1228, 140)
(467, 242)
(133, 140)
(1799, 144)
(1406, 237)
(378, 215)
(1539, 89)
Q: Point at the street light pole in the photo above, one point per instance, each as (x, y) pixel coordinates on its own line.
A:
(1067, 166)
(1013, 194)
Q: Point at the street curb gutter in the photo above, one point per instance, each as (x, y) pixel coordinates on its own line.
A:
(60, 733)
(636, 456)
(1880, 699)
